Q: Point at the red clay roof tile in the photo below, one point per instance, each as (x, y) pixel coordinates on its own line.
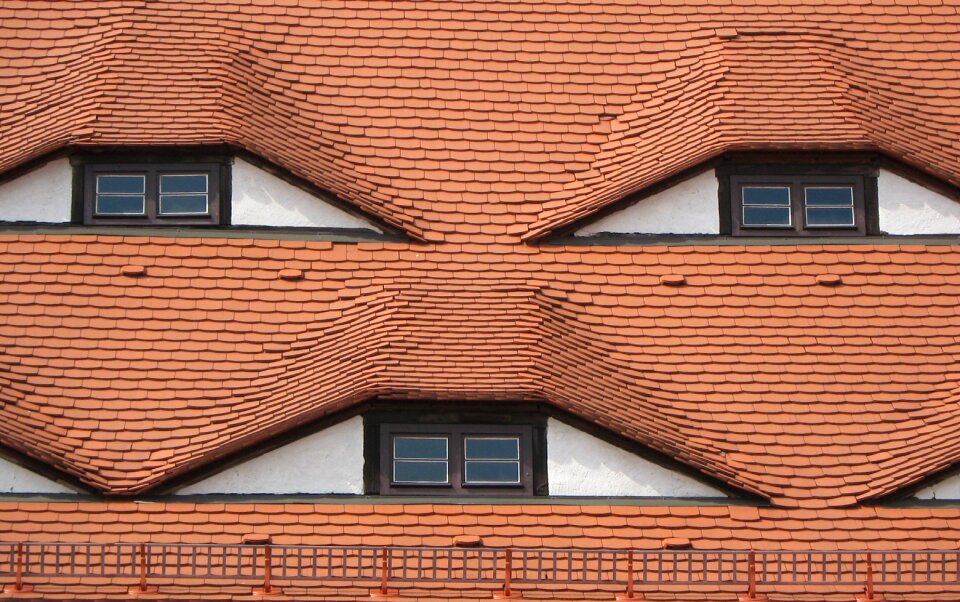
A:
(648, 528)
(818, 376)
(525, 122)
(124, 395)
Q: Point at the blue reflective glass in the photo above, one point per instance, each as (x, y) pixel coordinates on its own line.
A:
(830, 216)
(492, 449)
(829, 196)
(414, 471)
(121, 184)
(183, 203)
(118, 204)
(185, 183)
(420, 448)
(492, 472)
(766, 216)
(766, 195)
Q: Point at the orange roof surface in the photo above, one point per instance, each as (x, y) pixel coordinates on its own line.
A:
(808, 394)
(477, 128)
(498, 526)
(483, 121)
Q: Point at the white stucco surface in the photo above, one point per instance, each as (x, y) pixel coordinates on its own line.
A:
(909, 208)
(330, 461)
(947, 489)
(262, 199)
(690, 207)
(17, 479)
(42, 195)
(580, 464)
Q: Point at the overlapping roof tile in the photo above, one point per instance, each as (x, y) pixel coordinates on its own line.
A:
(536, 526)
(753, 372)
(489, 120)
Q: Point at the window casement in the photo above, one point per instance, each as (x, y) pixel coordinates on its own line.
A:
(797, 204)
(456, 459)
(152, 193)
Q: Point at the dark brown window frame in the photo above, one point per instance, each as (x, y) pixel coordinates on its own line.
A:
(797, 171)
(215, 161)
(376, 412)
(456, 434)
(797, 184)
(152, 172)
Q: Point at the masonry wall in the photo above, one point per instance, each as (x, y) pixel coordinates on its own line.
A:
(909, 208)
(330, 461)
(690, 207)
(17, 479)
(259, 198)
(44, 195)
(946, 489)
(262, 199)
(579, 464)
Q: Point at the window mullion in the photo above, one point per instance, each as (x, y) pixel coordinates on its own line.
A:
(186, 209)
(495, 445)
(797, 206)
(456, 461)
(153, 194)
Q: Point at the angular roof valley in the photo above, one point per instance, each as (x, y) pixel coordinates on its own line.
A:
(441, 122)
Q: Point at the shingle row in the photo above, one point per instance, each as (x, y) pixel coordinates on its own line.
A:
(493, 121)
(753, 372)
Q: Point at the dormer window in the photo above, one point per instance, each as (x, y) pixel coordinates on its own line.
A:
(456, 459)
(157, 194)
(797, 205)
(799, 194)
(783, 195)
(184, 194)
(177, 194)
(465, 450)
(493, 460)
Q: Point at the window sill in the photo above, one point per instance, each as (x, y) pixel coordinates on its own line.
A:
(455, 500)
(726, 239)
(203, 231)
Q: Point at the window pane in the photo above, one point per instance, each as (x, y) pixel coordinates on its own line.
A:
(766, 216)
(491, 472)
(766, 195)
(183, 183)
(829, 196)
(130, 185)
(176, 204)
(507, 448)
(414, 471)
(118, 204)
(420, 448)
(830, 216)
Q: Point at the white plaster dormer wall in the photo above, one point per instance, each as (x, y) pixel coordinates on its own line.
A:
(690, 207)
(579, 464)
(44, 195)
(910, 208)
(329, 461)
(947, 489)
(17, 479)
(260, 198)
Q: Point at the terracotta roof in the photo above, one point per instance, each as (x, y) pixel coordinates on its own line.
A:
(809, 394)
(495, 120)
(518, 526)
(557, 525)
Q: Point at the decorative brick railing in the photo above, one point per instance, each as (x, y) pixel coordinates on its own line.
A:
(382, 569)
